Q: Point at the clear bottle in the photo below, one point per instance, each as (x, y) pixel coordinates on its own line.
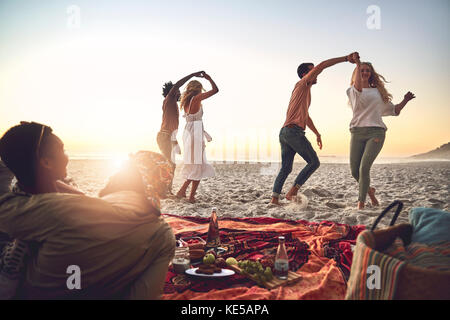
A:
(181, 261)
(213, 240)
(281, 260)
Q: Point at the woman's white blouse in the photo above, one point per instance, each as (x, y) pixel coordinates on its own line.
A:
(368, 107)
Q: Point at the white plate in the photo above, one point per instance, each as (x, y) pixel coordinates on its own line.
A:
(223, 273)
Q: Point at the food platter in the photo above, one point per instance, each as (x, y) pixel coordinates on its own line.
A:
(221, 274)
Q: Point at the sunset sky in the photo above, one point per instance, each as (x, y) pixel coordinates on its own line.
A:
(98, 83)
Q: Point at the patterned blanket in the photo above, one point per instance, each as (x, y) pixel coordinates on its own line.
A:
(320, 252)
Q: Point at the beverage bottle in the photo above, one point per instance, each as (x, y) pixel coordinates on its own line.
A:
(213, 240)
(281, 260)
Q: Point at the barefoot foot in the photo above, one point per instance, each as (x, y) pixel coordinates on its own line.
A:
(292, 193)
(191, 200)
(371, 194)
(274, 201)
(180, 195)
(360, 205)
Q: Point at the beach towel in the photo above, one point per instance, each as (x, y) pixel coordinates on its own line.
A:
(319, 252)
(430, 225)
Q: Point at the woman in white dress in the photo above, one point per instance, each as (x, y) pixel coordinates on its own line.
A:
(370, 101)
(195, 166)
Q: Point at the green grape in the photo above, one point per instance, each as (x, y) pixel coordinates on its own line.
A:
(268, 273)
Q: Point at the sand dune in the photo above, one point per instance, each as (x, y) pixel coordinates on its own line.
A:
(443, 152)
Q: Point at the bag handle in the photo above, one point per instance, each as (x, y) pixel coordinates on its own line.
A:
(399, 205)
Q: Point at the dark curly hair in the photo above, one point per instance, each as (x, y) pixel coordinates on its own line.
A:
(303, 68)
(166, 88)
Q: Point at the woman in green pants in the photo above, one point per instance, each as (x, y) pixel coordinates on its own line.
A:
(370, 101)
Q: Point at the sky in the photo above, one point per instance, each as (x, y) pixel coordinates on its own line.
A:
(94, 70)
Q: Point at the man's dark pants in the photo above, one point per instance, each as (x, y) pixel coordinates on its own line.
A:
(292, 141)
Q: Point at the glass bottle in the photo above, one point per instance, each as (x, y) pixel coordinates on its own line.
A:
(281, 260)
(181, 260)
(213, 240)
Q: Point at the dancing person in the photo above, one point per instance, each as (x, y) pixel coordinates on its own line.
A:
(370, 101)
(120, 243)
(195, 166)
(167, 136)
(292, 134)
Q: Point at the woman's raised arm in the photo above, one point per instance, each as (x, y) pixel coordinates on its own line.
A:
(209, 93)
(408, 96)
(358, 79)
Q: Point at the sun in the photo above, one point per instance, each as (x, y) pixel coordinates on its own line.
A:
(118, 161)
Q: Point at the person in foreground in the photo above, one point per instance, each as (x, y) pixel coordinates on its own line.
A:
(195, 165)
(120, 243)
(370, 101)
(292, 134)
(167, 136)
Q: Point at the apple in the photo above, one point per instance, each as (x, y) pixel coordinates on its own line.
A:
(209, 259)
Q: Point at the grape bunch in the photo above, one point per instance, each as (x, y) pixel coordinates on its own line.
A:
(256, 271)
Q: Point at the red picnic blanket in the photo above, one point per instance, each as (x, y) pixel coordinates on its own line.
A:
(320, 252)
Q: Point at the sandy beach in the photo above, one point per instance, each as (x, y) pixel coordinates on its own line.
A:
(244, 190)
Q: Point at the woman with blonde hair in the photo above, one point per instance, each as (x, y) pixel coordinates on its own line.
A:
(195, 166)
(370, 101)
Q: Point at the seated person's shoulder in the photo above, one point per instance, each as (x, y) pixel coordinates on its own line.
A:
(59, 205)
(126, 202)
(64, 203)
(131, 201)
(35, 217)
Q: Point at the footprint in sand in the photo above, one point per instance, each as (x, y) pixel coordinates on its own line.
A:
(309, 215)
(436, 201)
(335, 205)
(321, 192)
(309, 193)
(299, 202)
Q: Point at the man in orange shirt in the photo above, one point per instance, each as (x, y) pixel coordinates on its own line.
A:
(292, 134)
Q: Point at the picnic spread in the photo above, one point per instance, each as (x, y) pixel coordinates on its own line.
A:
(319, 254)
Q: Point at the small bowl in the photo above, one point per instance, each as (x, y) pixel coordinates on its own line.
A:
(185, 240)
